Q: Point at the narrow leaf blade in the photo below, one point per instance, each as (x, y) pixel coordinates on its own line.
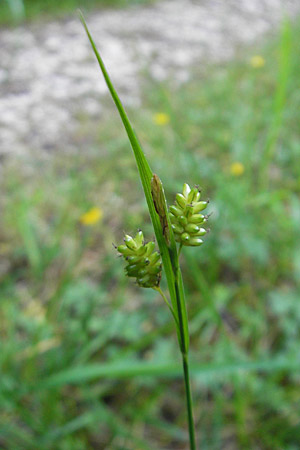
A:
(83, 374)
(146, 175)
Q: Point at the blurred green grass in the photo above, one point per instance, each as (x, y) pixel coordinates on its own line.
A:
(86, 357)
(12, 11)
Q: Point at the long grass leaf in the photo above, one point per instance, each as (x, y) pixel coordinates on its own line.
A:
(285, 52)
(82, 374)
(146, 175)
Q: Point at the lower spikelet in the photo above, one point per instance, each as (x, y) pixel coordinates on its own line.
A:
(143, 262)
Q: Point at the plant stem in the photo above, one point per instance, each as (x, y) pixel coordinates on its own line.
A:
(183, 345)
(185, 363)
(189, 402)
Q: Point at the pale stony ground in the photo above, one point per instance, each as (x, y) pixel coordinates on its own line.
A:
(48, 73)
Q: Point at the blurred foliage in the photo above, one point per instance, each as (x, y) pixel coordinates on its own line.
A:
(13, 11)
(88, 360)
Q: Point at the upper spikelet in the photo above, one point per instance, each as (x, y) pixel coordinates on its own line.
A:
(186, 218)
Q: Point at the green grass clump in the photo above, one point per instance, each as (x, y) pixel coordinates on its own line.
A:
(12, 11)
(88, 360)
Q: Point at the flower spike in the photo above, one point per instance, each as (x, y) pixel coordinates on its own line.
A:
(143, 262)
(186, 217)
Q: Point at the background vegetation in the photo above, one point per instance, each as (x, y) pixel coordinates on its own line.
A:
(12, 11)
(88, 360)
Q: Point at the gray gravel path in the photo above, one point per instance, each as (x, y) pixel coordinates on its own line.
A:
(48, 73)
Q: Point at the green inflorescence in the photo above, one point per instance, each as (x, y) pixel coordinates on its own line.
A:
(186, 217)
(143, 262)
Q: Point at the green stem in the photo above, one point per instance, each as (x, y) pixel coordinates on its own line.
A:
(189, 402)
(185, 362)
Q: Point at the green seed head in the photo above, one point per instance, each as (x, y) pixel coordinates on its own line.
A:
(192, 228)
(194, 196)
(186, 190)
(177, 228)
(124, 250)
(182, 220)
(185, 216)
(199, 206)
(197, 218)
(143, 263)
(175, 210)
(130, 242)
(181, 201)
(195, 242)
(185, 237)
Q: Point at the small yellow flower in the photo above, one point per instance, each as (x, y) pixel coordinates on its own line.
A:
(257, 61)
(237, 169)
(91, 217)
(161, 119)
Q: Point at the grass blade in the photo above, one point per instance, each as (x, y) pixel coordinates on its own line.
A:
(146, 175)
(279, 101)
(83, 374)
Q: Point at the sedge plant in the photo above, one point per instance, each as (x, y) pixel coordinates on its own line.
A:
(174, 227)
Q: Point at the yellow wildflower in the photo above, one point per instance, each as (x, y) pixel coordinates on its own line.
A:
(237, 169)
(161, 119)
(91, 217)
(257, 61)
